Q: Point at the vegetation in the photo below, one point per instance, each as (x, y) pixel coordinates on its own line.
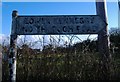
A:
(80, 61)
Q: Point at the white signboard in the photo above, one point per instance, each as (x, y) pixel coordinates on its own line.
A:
(56, 25)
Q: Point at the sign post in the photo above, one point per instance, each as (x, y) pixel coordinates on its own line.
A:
(58, 25)
(13, 50)
(103, 41)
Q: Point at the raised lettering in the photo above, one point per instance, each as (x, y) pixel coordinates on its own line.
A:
(70, 29)
(64, 29)
(31, 21)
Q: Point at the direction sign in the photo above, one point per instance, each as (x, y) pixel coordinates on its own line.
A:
(61, 24)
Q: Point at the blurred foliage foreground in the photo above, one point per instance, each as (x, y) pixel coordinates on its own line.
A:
(63, 63)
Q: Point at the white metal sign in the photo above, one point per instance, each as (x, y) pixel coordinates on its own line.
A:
(61, 24)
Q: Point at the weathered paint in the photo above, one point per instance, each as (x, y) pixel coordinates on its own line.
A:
(13, 50)
(12, 58)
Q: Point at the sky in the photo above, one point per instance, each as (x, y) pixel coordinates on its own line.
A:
(0, 17)
(55, 0)
(53, 8)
